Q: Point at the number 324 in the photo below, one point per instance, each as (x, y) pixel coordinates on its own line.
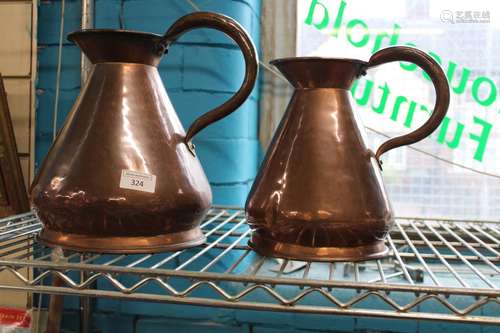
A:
(136, 182)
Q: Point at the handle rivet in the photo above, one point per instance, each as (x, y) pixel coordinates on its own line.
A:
(191, 148)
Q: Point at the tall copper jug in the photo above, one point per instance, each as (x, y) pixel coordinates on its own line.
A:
(319, 194)
(122, 175)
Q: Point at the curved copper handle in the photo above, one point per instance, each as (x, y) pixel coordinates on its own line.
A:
(432, 68)
(237, 33)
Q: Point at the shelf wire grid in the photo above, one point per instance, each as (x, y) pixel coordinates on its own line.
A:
(437, 269)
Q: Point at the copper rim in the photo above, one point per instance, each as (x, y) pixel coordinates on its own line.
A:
(321, 59)
(273, 248)
(168, 242)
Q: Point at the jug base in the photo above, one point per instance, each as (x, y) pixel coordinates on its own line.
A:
(273, 248)
(137, 244)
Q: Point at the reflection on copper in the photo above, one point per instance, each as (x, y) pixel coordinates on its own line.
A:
(319, 193)
(129, 139)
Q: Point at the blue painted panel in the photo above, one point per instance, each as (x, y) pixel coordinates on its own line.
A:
(233, 195)
(387, 325)
(175, 325)
(187, 312)
(254, 4)
(49, 20)
(243, 123)
(101, 322)
(444, 327)
(107, 14)
(44, 119)
(275, 329)
(47, 67)
(277, 322)
(159, 15)
(228, 161)
(155, 16)
(490, 329)
(171, 69)
(70, 321)
(46, 100)
(211, 74)
(491, 309)
(256, 25)
(113, 322)
(206, 68)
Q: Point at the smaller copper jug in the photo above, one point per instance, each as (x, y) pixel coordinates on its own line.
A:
(122, 175)
(319, 193)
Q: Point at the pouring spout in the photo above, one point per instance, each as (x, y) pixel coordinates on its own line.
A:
(108, 45)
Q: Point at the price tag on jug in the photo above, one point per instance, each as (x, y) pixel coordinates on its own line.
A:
(139, 181)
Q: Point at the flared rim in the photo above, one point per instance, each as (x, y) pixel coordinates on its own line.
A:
(73, 34)
(320, 59)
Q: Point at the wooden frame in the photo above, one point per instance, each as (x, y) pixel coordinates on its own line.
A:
(13, 195)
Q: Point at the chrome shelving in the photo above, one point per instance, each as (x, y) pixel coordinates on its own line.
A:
(438, 269)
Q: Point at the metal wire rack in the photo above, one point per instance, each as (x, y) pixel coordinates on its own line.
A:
(438, 270)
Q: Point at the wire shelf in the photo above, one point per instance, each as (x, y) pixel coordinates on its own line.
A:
(438, 269)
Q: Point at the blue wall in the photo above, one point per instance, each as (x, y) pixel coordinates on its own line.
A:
(202, 70)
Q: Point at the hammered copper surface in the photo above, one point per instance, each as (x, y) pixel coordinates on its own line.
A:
(319, 194)
(124, 120)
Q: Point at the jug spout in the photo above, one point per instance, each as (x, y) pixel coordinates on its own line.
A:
(315, 72)
(108, 45)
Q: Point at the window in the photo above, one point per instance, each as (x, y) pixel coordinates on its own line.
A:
(461, 36)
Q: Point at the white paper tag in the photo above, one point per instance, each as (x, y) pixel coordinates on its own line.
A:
(139, 181)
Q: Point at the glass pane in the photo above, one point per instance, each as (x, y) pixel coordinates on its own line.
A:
(396, 98)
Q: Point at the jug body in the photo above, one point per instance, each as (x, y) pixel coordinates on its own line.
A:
(122, 174)
(319, 188)
(122, 130)
(319, 194)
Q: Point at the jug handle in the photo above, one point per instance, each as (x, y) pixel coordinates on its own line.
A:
(433, 69)
(238, 34)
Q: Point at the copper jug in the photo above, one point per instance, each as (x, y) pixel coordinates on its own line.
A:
(319, 194)
(122, 175)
